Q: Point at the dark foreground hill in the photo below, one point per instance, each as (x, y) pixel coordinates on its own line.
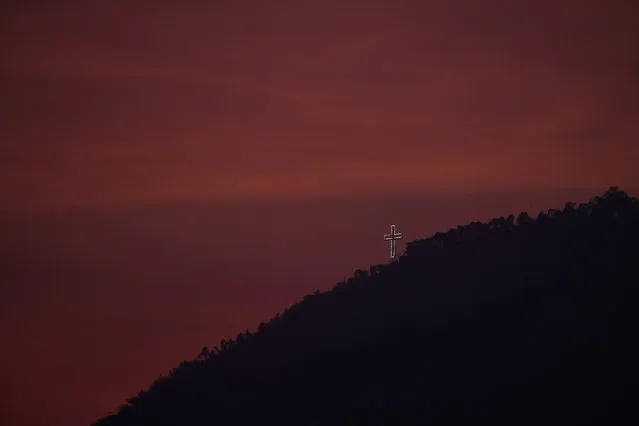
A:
(514, 322)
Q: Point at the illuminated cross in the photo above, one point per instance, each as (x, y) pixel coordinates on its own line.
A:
(392, 238)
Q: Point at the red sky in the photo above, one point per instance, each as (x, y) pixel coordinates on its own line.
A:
(271, 116)
(114, 101)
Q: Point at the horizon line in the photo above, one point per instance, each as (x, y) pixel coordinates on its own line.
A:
(261, 198)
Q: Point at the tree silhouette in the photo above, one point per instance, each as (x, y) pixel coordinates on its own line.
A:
(524, 219)
(500, 323)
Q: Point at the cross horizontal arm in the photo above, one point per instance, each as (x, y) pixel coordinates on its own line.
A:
(393, 236)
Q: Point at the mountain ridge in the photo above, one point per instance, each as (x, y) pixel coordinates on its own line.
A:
(519, 294)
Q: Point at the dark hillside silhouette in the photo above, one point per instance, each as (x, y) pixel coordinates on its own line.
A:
(518, 321)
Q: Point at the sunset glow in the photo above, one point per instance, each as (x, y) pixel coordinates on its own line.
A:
(158, 158)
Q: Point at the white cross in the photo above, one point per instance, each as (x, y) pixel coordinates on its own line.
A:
(392, 238)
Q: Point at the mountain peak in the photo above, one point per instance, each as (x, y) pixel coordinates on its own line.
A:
(513, 321)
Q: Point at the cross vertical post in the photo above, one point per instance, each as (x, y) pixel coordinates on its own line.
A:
(392, 239)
